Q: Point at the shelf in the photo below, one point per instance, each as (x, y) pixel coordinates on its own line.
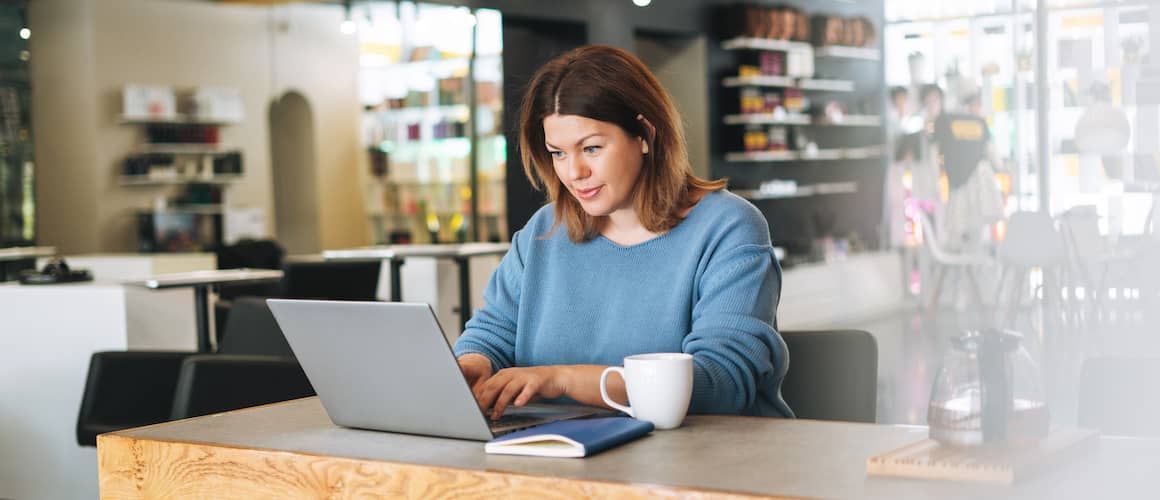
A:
(176, 120)
(851, 121)
(762, 156)
(760, 81)
(767, 119)
(827, 85)
(185, 209)
(743, 43)
(145, 180)
(819, 155)
(456, 110)
(803, 191)
(185, 149)
(844, 52)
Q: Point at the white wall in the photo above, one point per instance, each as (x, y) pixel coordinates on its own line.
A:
(84, 51)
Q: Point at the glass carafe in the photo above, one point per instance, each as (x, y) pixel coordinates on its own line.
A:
(987, 391)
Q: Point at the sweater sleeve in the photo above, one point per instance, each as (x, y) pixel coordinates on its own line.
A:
(733, 340)
(491, 331)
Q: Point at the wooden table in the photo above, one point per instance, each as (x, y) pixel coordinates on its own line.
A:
(292, 450)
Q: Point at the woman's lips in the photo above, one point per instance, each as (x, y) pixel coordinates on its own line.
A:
(585, 194)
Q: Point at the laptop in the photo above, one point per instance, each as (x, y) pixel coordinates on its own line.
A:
(386, 366)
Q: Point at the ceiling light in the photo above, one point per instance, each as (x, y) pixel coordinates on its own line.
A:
(25, 33)
(641, 3)
(347, 27)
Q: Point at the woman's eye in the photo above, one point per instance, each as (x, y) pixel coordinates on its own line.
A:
(556, 155)
(591, 149)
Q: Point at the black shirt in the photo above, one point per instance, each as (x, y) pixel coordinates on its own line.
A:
(962, 141)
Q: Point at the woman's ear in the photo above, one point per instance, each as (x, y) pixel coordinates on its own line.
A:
(652, 132)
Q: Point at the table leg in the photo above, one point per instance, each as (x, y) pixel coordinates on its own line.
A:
(201, 309)
(464, 289)
(396, 280)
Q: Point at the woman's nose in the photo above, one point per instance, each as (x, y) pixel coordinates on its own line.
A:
(577, 169)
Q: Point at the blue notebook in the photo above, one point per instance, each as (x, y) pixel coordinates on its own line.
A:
(570, 438)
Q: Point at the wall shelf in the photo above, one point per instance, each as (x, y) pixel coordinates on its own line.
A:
(760, 81)
(785, 82)
(827, 85)
(145, 180)
(744, 43)
(767, 119)
(185, 149)
(844, 52)
(802, 191)
(176, 120)
(818, 155)
(851, 121)
(186, 209)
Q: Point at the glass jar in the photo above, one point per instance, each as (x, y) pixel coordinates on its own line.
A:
(988, 390)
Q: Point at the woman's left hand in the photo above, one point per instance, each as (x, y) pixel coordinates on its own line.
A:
(517, 386)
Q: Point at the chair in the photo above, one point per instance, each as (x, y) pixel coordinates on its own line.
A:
(254, 365)
(950, 262)
(1114, 396)
(331, 280)
(309, 278)
(833, 375)
(1031, 241)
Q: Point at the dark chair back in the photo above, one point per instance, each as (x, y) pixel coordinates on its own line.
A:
(252, 329)
(331, 280)
(833, 375)
(126, 389)
(1114, 396)
(213, 383)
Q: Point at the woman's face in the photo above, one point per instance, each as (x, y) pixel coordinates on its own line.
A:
(598, 162)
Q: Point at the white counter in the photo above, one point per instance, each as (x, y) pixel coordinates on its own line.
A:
(47, 334)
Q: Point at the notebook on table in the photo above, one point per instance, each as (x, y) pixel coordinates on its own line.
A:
(570, 438)
(386, 366)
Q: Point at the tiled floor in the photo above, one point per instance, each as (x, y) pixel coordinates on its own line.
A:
(912, 342)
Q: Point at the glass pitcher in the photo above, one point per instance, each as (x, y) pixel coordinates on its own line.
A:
(987, 391)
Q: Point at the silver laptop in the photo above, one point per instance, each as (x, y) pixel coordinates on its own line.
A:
(386, 366)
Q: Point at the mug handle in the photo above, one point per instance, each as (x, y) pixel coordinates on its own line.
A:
(604, 392)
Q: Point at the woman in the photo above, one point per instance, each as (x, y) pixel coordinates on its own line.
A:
(633, 254)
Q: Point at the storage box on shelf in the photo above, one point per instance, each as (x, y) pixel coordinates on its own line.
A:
(814, 123)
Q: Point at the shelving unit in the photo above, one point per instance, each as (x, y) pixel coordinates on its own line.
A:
(835, 155)
(432, 126)
(181, 157)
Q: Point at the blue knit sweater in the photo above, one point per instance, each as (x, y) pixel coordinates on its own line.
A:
(708, 287)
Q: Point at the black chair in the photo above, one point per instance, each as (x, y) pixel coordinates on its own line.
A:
(833, 375)
(1115, 396)
(252, 254)
(331, 280)
(254, 365)
(311, 278)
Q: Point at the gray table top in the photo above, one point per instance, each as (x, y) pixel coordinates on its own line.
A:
(734, 454)
(211, 277)
(21, 253)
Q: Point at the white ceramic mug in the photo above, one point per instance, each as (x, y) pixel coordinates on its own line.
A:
(659, 387)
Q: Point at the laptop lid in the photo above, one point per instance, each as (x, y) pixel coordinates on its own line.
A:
(386, 366)
(382, 366)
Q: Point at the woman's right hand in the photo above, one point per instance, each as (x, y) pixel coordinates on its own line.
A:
(476, 369)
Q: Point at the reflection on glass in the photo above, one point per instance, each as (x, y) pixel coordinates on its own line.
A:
(432, 123)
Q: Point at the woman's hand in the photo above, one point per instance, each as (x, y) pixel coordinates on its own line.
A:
(517, 386)
(476, 369)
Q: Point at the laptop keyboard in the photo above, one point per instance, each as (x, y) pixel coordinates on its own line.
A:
(508, 420)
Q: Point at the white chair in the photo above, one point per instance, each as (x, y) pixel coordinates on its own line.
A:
(950, 262)
(1031, 241)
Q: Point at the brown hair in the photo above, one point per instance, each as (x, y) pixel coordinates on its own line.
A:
(610, 85)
